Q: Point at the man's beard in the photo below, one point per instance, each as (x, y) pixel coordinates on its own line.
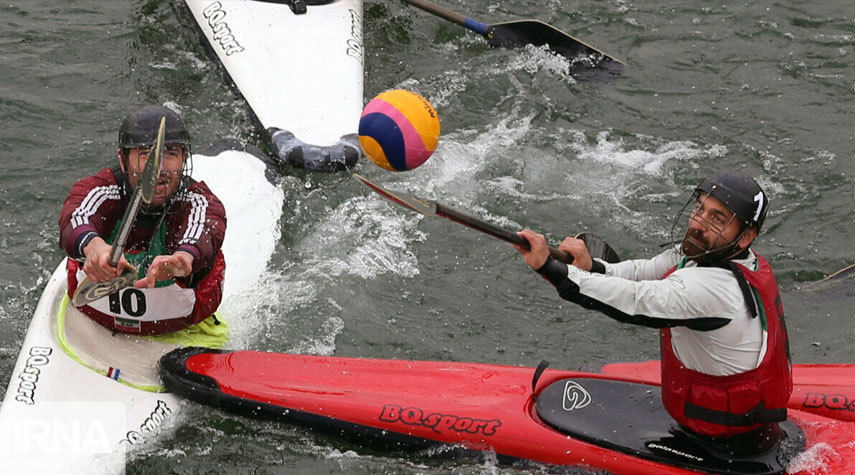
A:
(700, 251)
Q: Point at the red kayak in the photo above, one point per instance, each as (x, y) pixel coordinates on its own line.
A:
(610, 421)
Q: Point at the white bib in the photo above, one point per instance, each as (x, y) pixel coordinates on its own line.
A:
(145, 305)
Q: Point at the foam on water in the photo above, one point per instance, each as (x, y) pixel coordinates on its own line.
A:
(252, 313)
(533, 59)
(813, 459)
(445, 88)
(324, 344)
(361, 237)
(650, 162)
(514, 157)
(366, 237)
(440, 90)
(253, 210)
(637, 169)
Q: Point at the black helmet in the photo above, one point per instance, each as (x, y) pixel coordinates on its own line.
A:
(740, 194)
(139, 129)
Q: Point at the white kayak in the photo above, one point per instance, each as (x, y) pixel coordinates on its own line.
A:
(300, 73)
(80, 396)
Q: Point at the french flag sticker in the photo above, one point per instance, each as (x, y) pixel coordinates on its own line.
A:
(113, 373)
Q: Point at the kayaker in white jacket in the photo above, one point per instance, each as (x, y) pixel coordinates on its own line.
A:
(725, 358)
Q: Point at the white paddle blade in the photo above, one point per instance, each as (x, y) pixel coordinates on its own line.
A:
(88, 291)
(151, 171)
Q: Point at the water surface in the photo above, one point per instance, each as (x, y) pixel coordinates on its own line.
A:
(763, 87)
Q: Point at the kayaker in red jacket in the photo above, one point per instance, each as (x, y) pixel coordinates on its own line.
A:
(726, 371)
(175, 240)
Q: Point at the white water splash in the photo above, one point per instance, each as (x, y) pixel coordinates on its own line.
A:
(650, 161)
(533, 59)
(362, 237)
(813, 459)
(323, 345)
(263, 305)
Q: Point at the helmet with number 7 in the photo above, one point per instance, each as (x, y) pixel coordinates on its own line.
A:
(740, 194)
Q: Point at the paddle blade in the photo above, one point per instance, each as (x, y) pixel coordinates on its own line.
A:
(148, 180)
(517, 34)
(88, 291)
(425, 207)
(599, 249)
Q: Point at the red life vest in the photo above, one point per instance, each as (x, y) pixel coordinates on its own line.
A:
(723, 406)
(208, 293)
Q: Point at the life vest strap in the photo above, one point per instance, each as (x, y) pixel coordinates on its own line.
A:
(745, 288)
(754, 416)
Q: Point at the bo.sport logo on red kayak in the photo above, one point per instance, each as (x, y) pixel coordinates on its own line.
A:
(439, 423)
(837, 402)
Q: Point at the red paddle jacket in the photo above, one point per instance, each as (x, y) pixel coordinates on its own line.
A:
(195, 223)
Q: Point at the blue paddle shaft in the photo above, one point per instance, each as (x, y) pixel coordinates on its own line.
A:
(476, 26)
(449, 15)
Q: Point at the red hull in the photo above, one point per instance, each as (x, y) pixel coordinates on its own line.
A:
(477, 406)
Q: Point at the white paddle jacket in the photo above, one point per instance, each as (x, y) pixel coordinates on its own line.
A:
(713, 331)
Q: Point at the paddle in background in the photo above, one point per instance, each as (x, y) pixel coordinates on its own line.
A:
(596, 246)
(399, 130)
(89, 291)
(586, 62)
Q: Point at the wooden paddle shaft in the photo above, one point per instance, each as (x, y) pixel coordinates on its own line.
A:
(496, 231)
(437, 10)
(127, 223)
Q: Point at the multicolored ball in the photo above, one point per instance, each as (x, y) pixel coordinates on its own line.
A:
(399, 130)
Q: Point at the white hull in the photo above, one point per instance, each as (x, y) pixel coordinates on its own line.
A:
(59, 416)
(301, 74)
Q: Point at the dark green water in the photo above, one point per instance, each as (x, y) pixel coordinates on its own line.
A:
(765, 87)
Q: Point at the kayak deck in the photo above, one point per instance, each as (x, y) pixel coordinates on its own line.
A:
(126, 358)
(629, 418)
(52, 395)
(265, 49)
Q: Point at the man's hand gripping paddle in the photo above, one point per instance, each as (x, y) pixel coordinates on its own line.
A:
(89, 291)
(596, 246)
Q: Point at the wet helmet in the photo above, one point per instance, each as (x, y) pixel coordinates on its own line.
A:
(139, 129)
(740, 194)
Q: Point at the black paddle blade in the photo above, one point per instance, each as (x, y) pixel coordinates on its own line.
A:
(586, 62)
(598, 248)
